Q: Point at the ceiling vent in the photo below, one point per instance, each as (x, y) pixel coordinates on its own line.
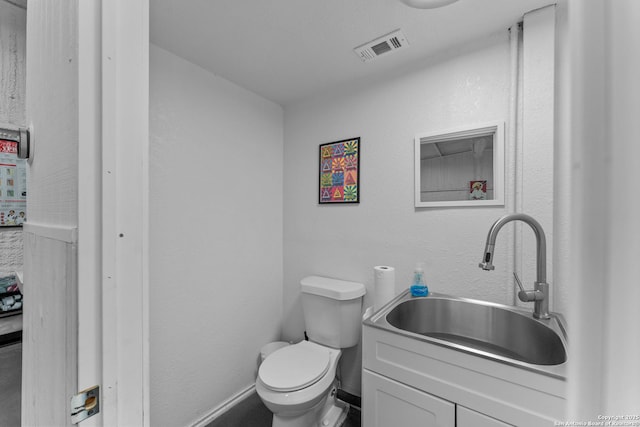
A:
(382, 45)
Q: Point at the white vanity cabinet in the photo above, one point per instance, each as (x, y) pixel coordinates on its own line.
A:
(410, 382)
(390, 403)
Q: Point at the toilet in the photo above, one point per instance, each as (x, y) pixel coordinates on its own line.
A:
(298, 382)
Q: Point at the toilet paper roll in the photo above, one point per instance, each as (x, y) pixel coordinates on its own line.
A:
(384, 285)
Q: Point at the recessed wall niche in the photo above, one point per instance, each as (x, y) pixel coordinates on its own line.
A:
(460, 167)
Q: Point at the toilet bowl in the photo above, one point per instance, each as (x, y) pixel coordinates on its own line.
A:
(297, 383)
(271, 347)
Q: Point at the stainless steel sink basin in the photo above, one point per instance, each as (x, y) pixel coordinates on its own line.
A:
(490, 330)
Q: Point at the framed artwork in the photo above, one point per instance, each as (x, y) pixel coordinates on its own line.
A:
(340, 172)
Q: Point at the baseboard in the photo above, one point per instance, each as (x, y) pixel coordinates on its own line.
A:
(224, 407)
(11, 338)
(349, 398)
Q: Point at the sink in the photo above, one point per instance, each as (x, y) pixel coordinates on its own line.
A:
(505, 333)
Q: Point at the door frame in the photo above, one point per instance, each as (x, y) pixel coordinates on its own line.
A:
(113, 339)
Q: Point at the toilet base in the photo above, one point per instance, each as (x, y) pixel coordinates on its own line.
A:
(329, 412)
(336, 415)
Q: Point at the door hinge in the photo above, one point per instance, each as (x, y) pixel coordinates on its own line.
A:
(85, 404)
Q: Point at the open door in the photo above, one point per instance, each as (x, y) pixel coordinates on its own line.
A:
(86, 241)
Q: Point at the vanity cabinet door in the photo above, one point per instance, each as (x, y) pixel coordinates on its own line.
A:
(468, 418)
(388, 403)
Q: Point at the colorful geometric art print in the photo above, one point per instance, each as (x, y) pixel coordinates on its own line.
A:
(339, 171)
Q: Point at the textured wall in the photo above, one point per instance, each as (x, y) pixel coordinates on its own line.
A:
(13, 30)
(215, 262)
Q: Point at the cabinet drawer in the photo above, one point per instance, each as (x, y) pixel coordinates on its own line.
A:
(468, 418)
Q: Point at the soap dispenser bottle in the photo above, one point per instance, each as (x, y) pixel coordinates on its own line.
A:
(419, 287)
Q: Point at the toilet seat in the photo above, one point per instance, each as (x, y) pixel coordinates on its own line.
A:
(295, 367)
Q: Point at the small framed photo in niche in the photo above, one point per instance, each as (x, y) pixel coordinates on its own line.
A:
(339, 167)
(477, 190)
(460, 167)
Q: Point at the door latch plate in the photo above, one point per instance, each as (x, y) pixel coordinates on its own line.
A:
(85, 404)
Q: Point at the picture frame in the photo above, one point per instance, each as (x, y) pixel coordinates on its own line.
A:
(339, 172)
(448, 163)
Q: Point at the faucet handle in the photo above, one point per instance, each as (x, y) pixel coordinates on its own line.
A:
(527, 296)
(515, 275)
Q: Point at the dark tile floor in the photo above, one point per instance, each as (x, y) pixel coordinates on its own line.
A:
(10, 384)
(251, 412)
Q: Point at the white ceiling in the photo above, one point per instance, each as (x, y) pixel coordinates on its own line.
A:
(287, 50)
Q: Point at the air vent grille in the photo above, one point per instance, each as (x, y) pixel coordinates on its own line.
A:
(381, 48)
(385, 44)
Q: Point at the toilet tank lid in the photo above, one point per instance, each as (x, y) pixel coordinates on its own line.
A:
(332, 288)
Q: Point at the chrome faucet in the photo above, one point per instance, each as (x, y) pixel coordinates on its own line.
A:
(540, 294)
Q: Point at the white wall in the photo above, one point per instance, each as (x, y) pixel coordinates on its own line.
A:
(13, 31)
(461, 87)
(216, 167)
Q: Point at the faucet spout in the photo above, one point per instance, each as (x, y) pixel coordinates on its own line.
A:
(540, 294)
(487, 259)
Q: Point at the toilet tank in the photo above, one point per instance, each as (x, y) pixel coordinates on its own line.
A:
(332, 310)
